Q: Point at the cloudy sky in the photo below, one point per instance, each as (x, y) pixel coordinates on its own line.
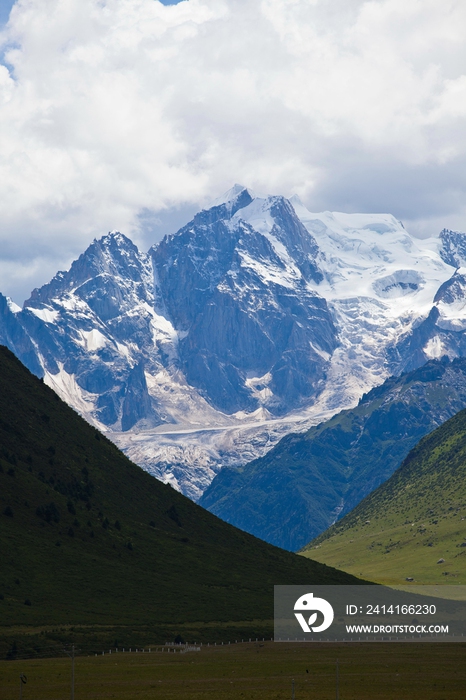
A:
(132, 114)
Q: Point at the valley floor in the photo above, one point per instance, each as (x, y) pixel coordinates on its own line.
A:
(256, 671)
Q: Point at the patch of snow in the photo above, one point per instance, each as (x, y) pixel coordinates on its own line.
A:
(257, 215)
(434, 348)
(322, 353)
(124, 351)
(261, 415)
(94, 340)
(451, 324)
(259, 388)
(66, 387)
(271, 273)
(46, 314)
(163, 330)
(72, 302)
(14, 308)
(185, 409)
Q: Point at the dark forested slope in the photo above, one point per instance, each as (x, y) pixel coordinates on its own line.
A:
(87, 537)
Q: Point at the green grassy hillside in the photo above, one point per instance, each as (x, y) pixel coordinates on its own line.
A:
(414, 525)
(88, 538)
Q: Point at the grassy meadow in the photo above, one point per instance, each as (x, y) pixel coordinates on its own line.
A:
(250, 671)
(391, 553)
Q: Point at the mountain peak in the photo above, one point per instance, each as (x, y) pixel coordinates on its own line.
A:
(231, 195)
(114, 255)
(115, 238)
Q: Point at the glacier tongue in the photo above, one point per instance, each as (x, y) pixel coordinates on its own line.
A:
(188, 458)
(257, 318)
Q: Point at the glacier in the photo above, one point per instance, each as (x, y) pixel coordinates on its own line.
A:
(256, 319)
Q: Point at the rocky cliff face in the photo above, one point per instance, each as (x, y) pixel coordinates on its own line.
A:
(93, 331)
(255, 315)
(255, 334)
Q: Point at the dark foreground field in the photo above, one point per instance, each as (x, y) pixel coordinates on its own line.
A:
(256, 671)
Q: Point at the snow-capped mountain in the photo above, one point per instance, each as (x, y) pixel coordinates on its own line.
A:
(254, 331)
(256, 318)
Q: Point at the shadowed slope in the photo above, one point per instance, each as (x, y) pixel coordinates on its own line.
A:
(87, 537)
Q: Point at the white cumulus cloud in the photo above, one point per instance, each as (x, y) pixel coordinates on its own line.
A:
(129, 114)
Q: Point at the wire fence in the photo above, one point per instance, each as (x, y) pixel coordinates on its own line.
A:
(62, 651)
